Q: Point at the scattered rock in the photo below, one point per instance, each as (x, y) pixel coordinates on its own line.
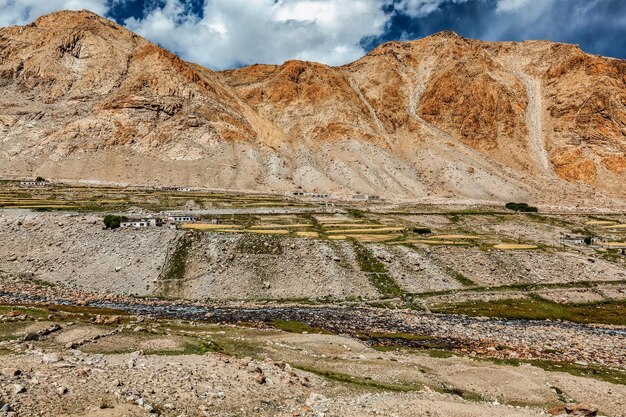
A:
(11, 372)
(51, 358)
(583, 410)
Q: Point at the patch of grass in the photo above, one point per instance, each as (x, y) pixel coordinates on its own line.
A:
(454, 218)
(9, 330)
(357, 214)
(466, 395)
(599, 372)
(551, 220)
(43, 283)
(199, 347)
(382, 304)
(172, 276)
(232, 347)
(293, 326)
(527, 287)
(316, 225)
(377, 273)
(394, 336)
(460, 277)
(611, 255)
(31, 311)
(537, 308)
(438, 353)
(360, 382)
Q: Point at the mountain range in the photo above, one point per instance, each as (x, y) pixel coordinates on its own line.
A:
(84, 99)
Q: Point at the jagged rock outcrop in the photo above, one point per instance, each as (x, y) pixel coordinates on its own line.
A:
(444, 116)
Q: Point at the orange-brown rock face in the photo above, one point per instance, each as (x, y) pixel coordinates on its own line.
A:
(83, 98)
(587, 112)
(90, 84)
(309, 101)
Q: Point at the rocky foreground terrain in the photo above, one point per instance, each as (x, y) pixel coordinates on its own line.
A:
(82, 98)
(70, 361)
(183, 322)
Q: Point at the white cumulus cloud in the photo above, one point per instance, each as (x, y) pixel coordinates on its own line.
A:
(513, 5)
(20, 12)
(231, 33)
(420, 8)
(237, 32)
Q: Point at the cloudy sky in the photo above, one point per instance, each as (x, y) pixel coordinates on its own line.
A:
(229, 33)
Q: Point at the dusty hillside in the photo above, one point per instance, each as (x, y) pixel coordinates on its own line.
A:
(84, 99)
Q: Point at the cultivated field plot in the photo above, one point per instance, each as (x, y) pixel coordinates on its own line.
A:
(351, 254)
(514, 246)
(438, 242)
(106, 198)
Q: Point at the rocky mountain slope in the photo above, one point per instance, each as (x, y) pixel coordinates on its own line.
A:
(82, 98)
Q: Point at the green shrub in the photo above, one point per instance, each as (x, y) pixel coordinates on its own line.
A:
(112, 221)
(40, 179)
(422, 230)
(523, 207)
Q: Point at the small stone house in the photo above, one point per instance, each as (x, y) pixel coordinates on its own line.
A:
(141, 223)
(35, 183)
(181, 219)
(574, 240)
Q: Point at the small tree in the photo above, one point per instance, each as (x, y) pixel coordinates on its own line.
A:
(422, 230)
(112, 221)
(523, 207)
(40, 179)
(588, 240)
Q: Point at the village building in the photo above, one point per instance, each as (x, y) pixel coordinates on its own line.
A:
(182, 218)
(183, 189)
(141, 223)
(567, 239)
(366, 197)
(35, 183)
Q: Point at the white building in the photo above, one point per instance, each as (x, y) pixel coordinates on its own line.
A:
(181, 218)
(575, 240)
(141, 223)
(35, 183)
